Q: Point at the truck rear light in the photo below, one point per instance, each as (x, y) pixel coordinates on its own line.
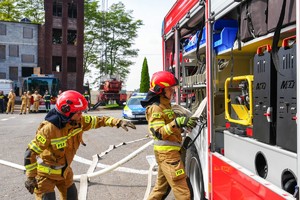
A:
(294, 118)
(249, 132)
(227, 125)
(222, 151)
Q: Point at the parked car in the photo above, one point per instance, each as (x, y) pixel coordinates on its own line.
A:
(133, 109)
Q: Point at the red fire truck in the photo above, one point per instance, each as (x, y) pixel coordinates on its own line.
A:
(110, 92)
(239, 59)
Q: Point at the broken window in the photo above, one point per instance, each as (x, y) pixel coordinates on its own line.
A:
(56, 63)
(56, 36)
(57, 8)
(71, 64)
(72, 34)
(72, 10)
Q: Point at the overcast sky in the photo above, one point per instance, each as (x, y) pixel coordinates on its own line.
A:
(149, 40)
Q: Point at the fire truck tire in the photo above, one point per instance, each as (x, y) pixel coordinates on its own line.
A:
(194, 172)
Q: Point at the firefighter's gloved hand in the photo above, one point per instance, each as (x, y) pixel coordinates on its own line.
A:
(31, 184)
(124, 124)
(189, 122)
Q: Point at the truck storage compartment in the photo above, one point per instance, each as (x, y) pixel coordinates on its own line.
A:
(274, 8)
(287, 96)
(225, 31)
(253, 23)
(264, 92)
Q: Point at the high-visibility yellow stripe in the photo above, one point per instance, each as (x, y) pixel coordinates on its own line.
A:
(166, 148)
(156, 124)
(167, 129)
(59, 140)
(108, 122)
(48, 170)
(31, 167)
(34, 147)
(94, 119)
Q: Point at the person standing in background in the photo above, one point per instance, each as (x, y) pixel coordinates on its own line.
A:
(28, 104)
(23, 104)
(36, 101)
(2, 98)
(88, 98)
(11, 102)
(47, 98)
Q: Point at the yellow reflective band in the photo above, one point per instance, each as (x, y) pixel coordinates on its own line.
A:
(166, 148)
(87, 119)
(34, 147)
(109, 121)
(94, 119)
(30, 167)
(40, 138)
(179, 172)
(169, 113)
(74, 132)
(48, 170)
(165, 84)
(156, 115)
(59, 140)
(156, 124)
(126, 108)
(167, 129)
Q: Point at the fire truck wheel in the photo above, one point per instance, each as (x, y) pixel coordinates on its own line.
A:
(194, 172)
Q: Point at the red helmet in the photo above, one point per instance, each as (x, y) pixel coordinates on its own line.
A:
(71, 101)
(161, 80)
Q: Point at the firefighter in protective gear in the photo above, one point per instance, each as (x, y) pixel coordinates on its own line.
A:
(36, 101)
(23, 104)
(11, 102)
(49, 155)
(166, 130)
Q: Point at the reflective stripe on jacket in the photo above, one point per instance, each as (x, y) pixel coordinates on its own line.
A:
(57, 147)
(162, 126)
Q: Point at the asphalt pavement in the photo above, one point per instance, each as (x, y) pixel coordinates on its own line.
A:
(126, 182)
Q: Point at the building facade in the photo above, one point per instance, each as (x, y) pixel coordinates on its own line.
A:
(61, 42)
(18, 50)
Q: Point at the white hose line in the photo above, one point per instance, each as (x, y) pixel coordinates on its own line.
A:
(117, 164)
(149, 183)
(10, 164)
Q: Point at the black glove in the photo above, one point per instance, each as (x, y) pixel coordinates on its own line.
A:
(124, 124)
(31, 184)
(189, 122)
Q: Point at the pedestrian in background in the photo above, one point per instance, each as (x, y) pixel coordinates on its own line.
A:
(36, 101)
(49, 155)
(88, 98)
(2, 99)
(11, 102)
(23, 104)
(166, 130)
(47, 98)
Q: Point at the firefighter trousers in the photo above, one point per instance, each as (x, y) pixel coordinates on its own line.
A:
(46, 185)
(171, 175)
(10, 107)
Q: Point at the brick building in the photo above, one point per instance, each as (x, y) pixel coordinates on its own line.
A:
(61, 42)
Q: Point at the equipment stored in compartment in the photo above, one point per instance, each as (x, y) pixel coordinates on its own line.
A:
(287, 96)
(241, 100)
(264, 93)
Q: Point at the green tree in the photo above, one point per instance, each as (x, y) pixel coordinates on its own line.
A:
(109, 37)
(145, 78)
(9, 11)
(32, 9)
